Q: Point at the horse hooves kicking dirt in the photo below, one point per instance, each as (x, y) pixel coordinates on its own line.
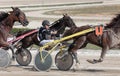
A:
(94, 61)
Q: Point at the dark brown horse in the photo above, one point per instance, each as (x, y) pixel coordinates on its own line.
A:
(7, 23)
(109, 39)
(58, 25)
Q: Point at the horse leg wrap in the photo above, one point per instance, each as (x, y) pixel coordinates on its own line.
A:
(12, 49)
(100, 60)
(75, 57)
(71, 47)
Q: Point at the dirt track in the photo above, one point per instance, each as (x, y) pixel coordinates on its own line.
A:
(101, 69)
(110, 67)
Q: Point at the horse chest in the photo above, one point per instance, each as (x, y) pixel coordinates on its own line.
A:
(114, 39)
(3, 30)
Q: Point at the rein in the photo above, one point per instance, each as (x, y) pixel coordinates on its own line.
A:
(23, 36)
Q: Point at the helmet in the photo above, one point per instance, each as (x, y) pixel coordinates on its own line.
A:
(46, 22)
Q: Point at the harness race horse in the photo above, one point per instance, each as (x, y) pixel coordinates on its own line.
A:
(58, 25)
(6, 24)
(109, 39)
(27, 41)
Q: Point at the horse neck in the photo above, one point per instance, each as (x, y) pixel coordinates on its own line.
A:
(73, 26)
(115, 27)
(35, 40)
(116, 30)
(61, 29)
(32, 39)
(8, 22)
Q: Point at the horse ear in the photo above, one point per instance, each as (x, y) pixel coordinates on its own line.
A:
(16, 11)
(65, 14)
(9, 13)
(13, 8)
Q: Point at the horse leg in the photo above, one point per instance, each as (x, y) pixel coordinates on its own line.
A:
(5, 44)
(84, 45)
(76, 45)
(105, 47)
(104, 50)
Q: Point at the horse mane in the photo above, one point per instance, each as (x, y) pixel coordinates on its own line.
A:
(3, 15)
(54, 24)
(113, 21)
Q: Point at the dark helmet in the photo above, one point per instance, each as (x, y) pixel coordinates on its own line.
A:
(46, 22)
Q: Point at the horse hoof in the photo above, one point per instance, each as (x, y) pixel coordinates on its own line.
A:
(76, 67)
(13, 57)
(91, 61)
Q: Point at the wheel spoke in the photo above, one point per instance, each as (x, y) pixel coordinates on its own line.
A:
(64, 61)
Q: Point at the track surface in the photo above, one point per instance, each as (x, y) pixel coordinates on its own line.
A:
(110, 66)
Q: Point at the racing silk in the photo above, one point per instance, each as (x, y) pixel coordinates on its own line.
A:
(44, 34)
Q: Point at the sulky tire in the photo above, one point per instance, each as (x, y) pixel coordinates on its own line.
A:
(43, 65)
(23, 57)
(64, 60)
(5, 59)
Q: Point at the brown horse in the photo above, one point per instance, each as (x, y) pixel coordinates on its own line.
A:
(58, 25)
(7, 23)
(32, 38)
(109, 39)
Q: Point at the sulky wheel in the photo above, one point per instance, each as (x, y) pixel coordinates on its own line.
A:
(4, 58)
(64, 60)
(23, 57)
(45, 64)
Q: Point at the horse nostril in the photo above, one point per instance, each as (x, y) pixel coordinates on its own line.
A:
(26, 22)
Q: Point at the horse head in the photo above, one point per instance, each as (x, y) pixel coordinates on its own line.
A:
(68, 21)
(19, 16)
(62, 23)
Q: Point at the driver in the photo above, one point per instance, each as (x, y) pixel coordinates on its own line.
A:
(45, 34)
